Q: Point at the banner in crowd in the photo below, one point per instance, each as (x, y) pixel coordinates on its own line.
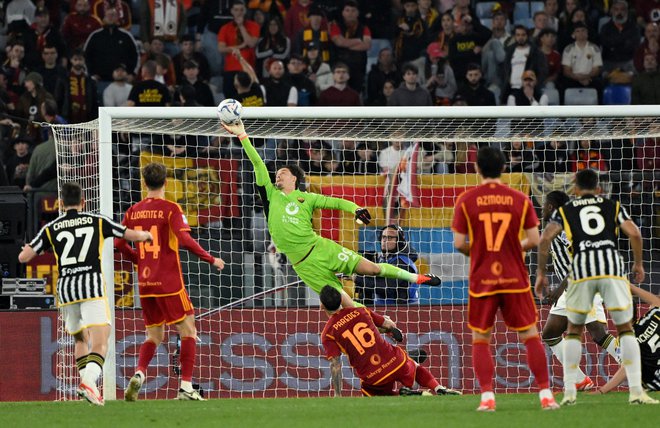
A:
(267, 353)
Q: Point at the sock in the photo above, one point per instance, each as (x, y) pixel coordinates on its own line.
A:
(537, 361)
(147, 351)
(81, 363)
(425, 379)
(484, 368)
(611, 345)
(489, 395)
(558, 350)
(389, 271)
(572, 353)
(93, 369)
(631, 361)
(187, 358)
(186, 386)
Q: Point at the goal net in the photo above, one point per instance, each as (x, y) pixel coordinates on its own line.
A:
(258, 325)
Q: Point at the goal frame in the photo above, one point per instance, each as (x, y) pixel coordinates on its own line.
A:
(108, 114)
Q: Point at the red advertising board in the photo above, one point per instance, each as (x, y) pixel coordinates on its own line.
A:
(266, 353)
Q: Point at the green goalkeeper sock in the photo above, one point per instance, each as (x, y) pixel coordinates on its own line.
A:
(390, 271)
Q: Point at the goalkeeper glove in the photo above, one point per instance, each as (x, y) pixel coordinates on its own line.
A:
(237, 128)
(362, 216)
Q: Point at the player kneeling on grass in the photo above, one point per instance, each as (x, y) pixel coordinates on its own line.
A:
(76, 238)
(377, 363)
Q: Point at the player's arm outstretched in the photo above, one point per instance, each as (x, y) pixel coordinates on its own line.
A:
(362, 215)
(260, 170)
(549, 233)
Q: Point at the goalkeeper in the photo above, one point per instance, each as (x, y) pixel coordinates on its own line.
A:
(289, 212)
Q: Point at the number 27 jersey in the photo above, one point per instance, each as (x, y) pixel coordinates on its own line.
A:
(493, 216)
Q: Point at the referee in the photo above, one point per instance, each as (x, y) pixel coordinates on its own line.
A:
(592, 224)
(77, 239)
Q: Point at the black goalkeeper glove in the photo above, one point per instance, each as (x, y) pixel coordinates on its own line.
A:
(362, 216)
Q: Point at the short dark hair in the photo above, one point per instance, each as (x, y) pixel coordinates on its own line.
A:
(340, 64)
(330, 297)
(490, 161)
(244, 79)
(298, 173)
(71, 194)
(587, 179)
(473, 66)
(150, 67)
(154, 175)
(409, 67)
(557, 198)
(50, 107)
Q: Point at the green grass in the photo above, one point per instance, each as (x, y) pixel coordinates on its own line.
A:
(514, 410)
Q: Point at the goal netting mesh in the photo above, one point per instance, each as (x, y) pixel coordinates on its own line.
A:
(259, 326)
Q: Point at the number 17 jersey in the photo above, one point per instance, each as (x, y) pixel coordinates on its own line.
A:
(494, 216)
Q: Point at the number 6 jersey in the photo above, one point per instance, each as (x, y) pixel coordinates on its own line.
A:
(592, 225)
(77, 240)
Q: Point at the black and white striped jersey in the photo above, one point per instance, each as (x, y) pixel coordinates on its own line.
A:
(77, 240)
(647, 331)
(560, 249)
(592, 225)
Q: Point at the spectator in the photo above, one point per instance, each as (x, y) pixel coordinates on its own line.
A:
(239, 36)
(466, 157)
(520, 158)
(321, 160)
(553, 157)
(619, 38)
(246, 83)
(397, 251)
(465, 47)
(203, 95)
(646, 85)
(529, 94)
(347, 154)
(188, 53)
(565, 33)
(28, 106)
(55, 76)
(296, 18)
(541, 22)
(440, 82)
(367, 160)
(122, 9)
(15, 70)
(78, 25)
(411, 34)
(647, 11)
(318, 71)
(385, 94)
(315, 32)
(352, 40)
(582, 61)
(494, 54)
(20, 10)
(165, 20)
(109, 46)
(80, 99)
(340, 94)
(521, 56)
(410, 93)
(148, 92)
(273, 44)
(385, 69)
(156, 52)
(45, 34)
(390, 157)
(212, 16)
(42, 160)
(298, 77)
(587, 156)
(551, 8)
(650, 44)
(431, 17)
(547, 40)
(17, 164)
(380, 16)
(116, 94)
(648, 159)
(447, 33)
(278, 89)
(474, 92)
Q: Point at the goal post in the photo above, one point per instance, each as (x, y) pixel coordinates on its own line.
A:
(268, 345)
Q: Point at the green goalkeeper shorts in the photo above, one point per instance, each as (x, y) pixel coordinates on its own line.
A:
(326, 259)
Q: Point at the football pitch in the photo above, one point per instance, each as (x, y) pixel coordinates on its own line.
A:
(513, 410)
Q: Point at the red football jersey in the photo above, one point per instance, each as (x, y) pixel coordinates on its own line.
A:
(493, 216)
(353, 332)
(159, 267)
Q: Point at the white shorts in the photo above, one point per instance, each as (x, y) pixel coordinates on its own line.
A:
(614, 291)
(597, 312)
(89, 313)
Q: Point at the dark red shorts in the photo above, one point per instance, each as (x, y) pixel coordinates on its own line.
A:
(404, 375)
(166, 309)
(518, 311)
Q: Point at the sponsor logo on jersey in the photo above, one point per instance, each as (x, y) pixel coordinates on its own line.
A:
(596, 244)
(292, 208)
(71, 271)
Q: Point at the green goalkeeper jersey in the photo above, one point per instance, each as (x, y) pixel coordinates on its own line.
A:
(290, 216)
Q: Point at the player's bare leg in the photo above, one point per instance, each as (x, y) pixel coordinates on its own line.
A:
(98, 336)
(484, 369)
(552, 335)
(188, 333)
(155, 336)
(385, 270)
(538, 364)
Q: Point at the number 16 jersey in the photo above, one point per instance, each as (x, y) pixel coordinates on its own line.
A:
(494, 216)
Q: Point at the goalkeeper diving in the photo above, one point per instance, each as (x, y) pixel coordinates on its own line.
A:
(289, 211)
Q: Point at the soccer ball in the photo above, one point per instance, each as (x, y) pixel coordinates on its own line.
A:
(229, 111)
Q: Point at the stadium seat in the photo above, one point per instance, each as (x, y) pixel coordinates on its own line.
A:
(617, 95)
(525, 22)
(484, 10)
(535, 6)
(521, 11)
(487, 22)
(553, 96)
(580, 96)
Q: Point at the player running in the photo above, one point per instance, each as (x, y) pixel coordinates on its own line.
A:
(289, 212)
(378, 364)
(555, 326)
